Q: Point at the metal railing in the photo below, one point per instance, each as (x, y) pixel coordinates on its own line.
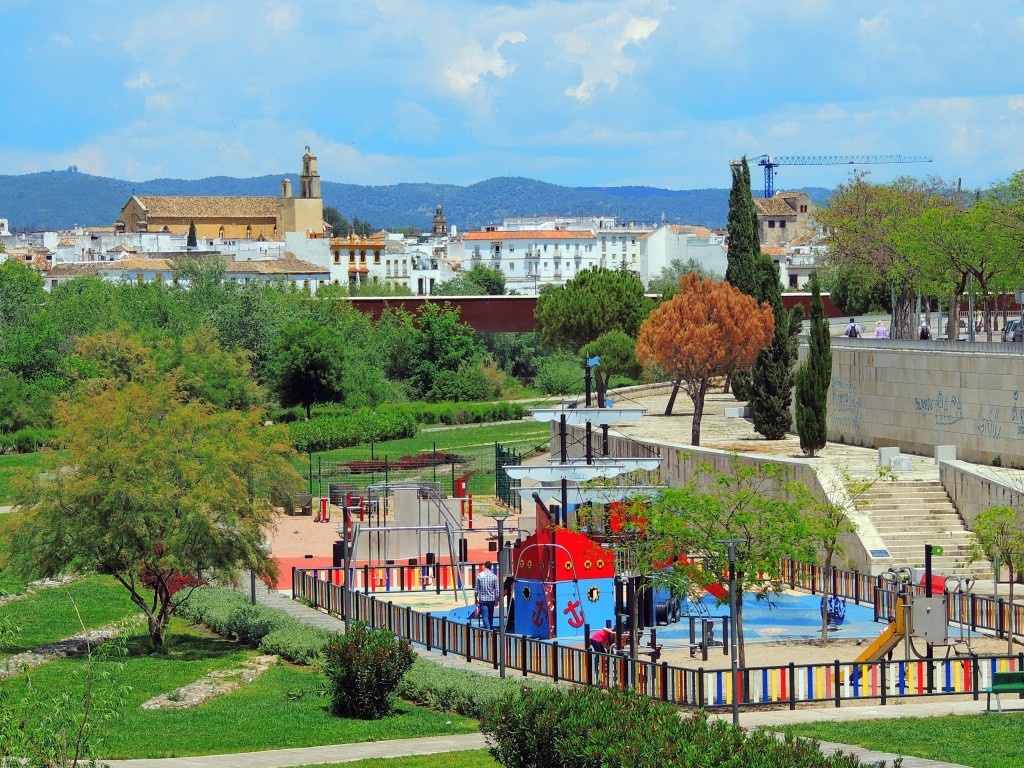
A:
(834, 682)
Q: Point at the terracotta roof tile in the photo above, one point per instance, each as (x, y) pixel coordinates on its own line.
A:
(773, 206)
(208, 207)
(543, 234)
(274, 267)
(71, 269)
(774, 250)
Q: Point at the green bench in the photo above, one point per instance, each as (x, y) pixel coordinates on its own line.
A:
(1003, 682)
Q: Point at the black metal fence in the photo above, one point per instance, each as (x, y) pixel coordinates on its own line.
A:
(506, 488)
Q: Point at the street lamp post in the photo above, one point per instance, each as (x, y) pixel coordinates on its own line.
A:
(501, 517)
(734, 632)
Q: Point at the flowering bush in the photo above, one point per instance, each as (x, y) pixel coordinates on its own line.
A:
(363, 668)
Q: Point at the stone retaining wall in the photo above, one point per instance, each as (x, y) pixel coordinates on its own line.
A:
(920, 394)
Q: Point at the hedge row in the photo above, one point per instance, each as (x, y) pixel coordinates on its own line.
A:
(459, 413)
(271, 630)
(325, 433)
(455, 690)
(27, 440)
(586, 727)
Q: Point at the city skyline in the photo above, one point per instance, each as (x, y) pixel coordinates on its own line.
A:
(596, 93)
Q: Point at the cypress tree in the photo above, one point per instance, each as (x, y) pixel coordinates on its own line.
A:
(744, 252)
(192, 241)
(814, 378)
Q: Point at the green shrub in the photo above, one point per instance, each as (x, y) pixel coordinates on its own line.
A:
(458, 413)
(587, 728)
(230, 614)
(455, 690)
(325, 433)
(28, 440)
(363, 668)
(251, 623)
(471, 382)
(298, 642)
(559, 374)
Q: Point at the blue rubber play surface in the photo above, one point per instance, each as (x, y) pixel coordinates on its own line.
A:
(781, 618)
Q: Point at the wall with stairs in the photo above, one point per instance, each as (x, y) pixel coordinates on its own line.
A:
(908, 515)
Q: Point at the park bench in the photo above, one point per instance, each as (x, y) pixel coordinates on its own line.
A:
(1003, 682)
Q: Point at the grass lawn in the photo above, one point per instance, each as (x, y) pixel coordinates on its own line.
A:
(474, 443)
(49, 614)
(9, 465)
(988, 740)
(254, 717)
(474, 758)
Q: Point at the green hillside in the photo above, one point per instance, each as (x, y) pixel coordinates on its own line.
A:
(62, 199)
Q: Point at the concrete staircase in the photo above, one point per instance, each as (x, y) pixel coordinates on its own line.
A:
(909, 515)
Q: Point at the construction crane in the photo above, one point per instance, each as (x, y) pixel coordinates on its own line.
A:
(770, 163)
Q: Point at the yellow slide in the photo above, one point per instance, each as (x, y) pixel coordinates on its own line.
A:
(886, 642)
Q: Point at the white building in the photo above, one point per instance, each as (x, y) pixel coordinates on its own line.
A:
(679, 242)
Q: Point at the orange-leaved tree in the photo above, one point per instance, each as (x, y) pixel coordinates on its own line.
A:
(706, 330)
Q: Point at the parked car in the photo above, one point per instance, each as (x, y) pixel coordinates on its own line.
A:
(1012, 330)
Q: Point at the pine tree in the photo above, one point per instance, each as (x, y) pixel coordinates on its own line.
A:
(744, 252)
(814, 378)
(772, 377)
(192, 241)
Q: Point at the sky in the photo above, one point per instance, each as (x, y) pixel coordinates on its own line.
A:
(657, 93)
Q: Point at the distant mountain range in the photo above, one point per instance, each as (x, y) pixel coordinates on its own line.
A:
(62, 199)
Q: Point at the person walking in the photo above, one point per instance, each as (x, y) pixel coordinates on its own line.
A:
(486, 591)
(852, 330)
(880, 331)
(924, 333)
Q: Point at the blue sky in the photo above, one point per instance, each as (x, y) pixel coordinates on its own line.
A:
(624, 92)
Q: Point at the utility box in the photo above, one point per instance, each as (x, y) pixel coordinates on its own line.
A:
(928, 619)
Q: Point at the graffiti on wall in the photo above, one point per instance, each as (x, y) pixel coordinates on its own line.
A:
(845, 410)
(946, 408)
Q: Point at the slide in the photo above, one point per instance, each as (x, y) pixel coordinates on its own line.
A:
(890, 638)
(884, 644)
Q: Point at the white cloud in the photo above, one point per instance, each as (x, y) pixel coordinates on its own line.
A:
(62, 40)
(280, 18)
(599, 48)
(139, 81)
(468, 66)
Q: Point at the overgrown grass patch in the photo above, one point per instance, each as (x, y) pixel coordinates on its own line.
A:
(257, 716)
(10, 464)
(50, 614)
(986, 740)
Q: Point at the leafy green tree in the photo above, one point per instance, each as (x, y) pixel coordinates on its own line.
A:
(666, 284)
(864, 223)
(617, 353)
(1000, 532)
(22, 406)
(514, 353)
(160, 494)
(21, 294)
(440, 342)
(813, 379)
(479, 281)
(754, 504)
(192, 241)
(339, 224)
(594, 302)
(308, 365)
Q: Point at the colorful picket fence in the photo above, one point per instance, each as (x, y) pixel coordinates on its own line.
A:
(834, 682)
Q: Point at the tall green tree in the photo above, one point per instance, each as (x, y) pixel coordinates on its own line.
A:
(594, 302)
(743, 255)
(864, 223)
(813, 379)
(479, 281)
(308, 365)
(160, 494)
(192, 241)
(1000, 532)
(21, 293)
(771, 377)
